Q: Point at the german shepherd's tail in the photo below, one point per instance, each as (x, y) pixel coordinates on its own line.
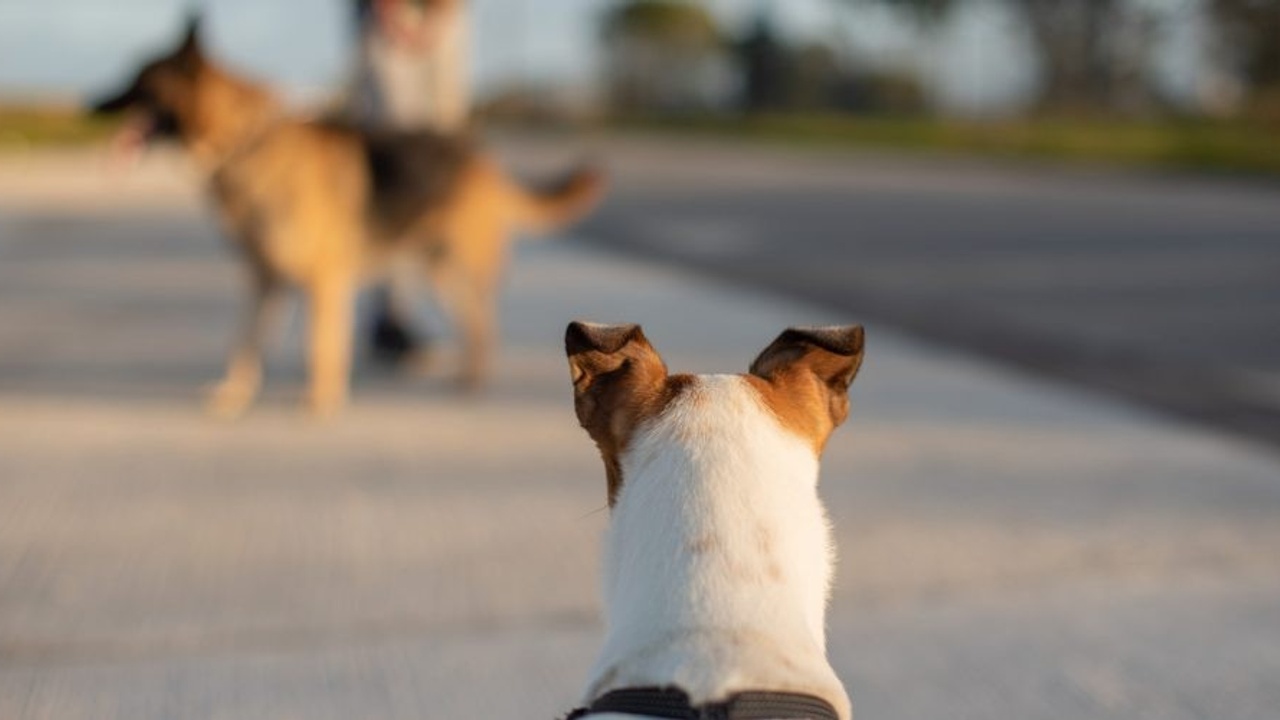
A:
(551, 208)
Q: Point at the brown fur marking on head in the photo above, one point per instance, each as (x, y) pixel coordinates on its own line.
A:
(804, 376)
(619, 382)
(185, 94)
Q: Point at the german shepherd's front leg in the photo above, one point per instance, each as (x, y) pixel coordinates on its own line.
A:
(331, 298)
(239, 387)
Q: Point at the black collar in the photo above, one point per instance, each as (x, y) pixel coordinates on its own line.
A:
(670, 702)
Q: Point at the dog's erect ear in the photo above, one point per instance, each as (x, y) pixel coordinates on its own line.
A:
(594, 349)
(831, 354)
(619, 380)
(191, 36)
(602, 356)
(186, 58)
(190, 52)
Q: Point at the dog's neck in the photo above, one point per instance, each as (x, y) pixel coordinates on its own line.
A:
(230, 114)
(718, 555)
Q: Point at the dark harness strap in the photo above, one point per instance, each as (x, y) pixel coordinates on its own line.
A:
(668, 702)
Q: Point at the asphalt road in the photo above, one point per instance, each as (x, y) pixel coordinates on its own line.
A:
(1164, 290)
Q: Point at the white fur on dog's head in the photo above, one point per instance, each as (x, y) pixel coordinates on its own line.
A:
(718, 557)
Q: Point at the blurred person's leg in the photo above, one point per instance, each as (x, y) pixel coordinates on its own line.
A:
(393, 339)
(382, 88)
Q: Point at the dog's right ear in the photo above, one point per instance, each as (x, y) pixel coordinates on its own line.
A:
(619, 380)
(809, 370)
(190, 52)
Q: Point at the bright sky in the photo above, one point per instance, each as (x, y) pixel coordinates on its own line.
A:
(72, 47)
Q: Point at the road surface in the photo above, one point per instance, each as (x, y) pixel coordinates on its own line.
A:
(1162, 290)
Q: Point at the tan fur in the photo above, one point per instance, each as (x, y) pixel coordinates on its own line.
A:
(293, 196)
(619, 382)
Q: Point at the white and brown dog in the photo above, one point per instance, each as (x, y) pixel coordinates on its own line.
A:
(718, 556)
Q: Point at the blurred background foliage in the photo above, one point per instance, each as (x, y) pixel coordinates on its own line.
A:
(1094, 58)
(1097, 94)
(1066, 79)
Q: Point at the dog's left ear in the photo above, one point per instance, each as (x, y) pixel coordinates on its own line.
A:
(191, 37)
(832, 355)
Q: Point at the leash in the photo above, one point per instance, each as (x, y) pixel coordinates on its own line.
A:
(670, 702)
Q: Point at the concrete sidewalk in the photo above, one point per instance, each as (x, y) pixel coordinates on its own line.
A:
(1009, 549)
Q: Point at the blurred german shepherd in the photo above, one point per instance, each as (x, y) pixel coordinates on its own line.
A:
(325, 206)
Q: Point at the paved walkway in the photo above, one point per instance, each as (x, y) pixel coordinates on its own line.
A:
(1009, 549)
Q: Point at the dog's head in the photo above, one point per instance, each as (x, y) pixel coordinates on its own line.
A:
(159, 100)
(620, 383)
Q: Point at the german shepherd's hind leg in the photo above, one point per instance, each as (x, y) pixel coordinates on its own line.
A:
(469, 299)
(331, 300)
(478, 317)
(233, 395)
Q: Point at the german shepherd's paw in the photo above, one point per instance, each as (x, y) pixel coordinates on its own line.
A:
(229, 400)
(472, 382)
(325, 405)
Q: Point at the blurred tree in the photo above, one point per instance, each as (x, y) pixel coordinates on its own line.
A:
(1071, 38)
(785, 76)
(1091, 52)
(763, 59)
(928, 11)
(664, 55)
(1087, 50)
(668, 21)
(1250, 33)
(816, 77)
